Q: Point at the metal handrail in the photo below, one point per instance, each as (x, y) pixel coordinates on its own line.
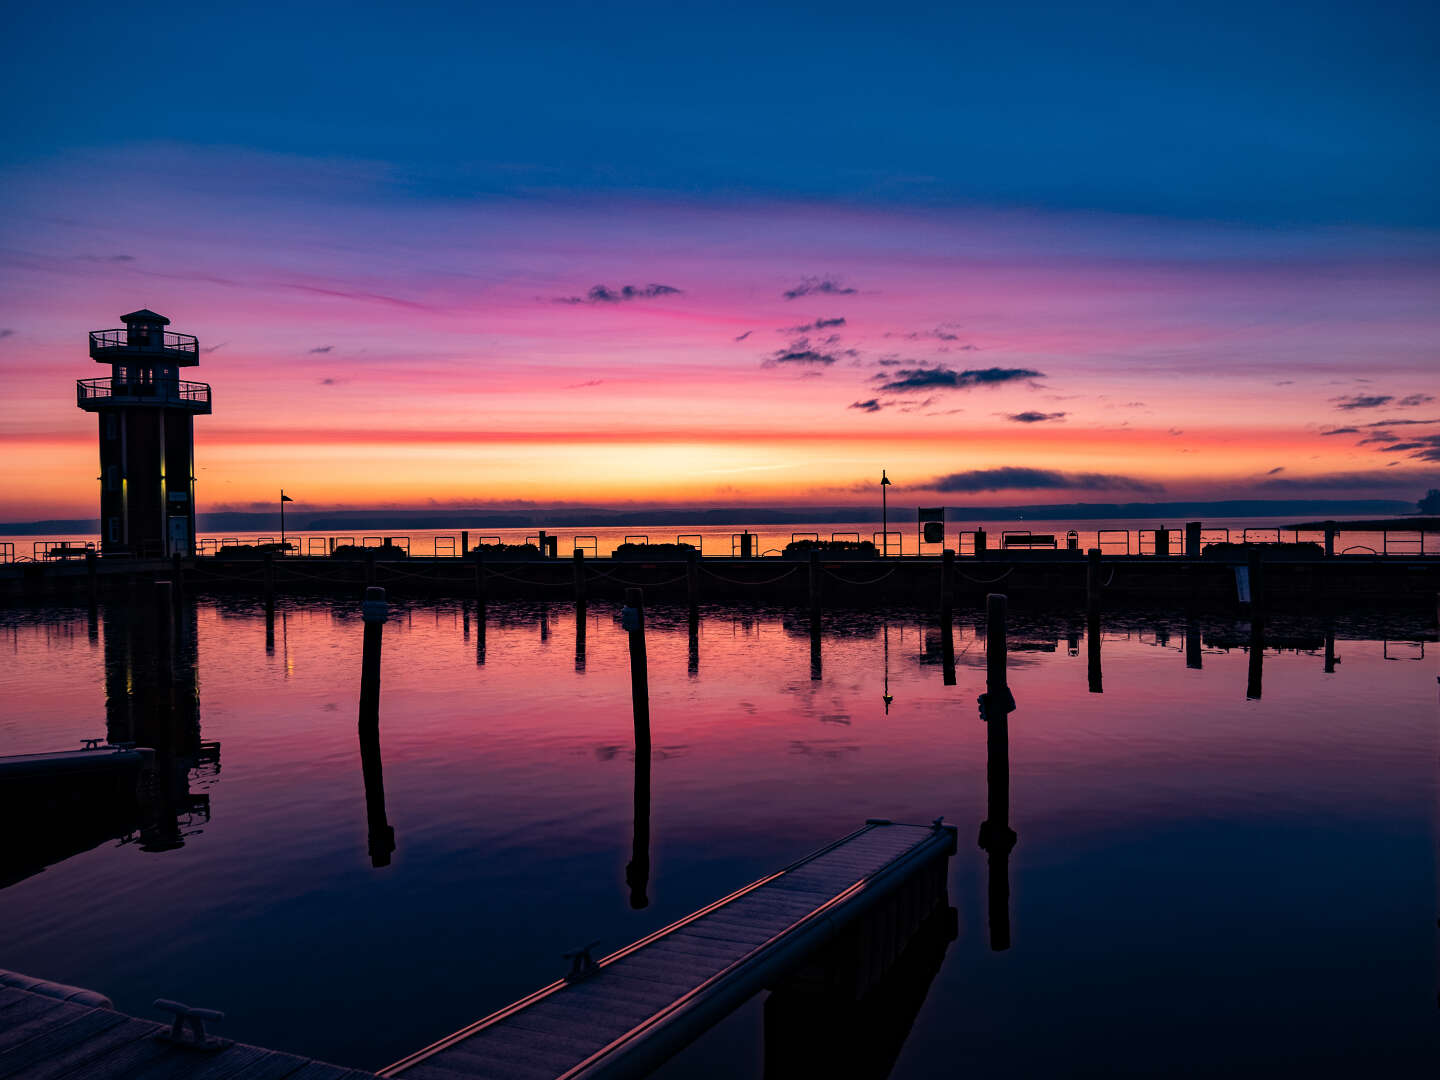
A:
(170, 341)
(180, 390)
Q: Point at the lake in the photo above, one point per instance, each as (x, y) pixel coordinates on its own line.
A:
(1205, 881)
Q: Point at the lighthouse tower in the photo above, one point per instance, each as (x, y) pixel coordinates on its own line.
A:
(147, 435)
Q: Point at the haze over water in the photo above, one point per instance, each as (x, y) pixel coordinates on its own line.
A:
(1203, 882)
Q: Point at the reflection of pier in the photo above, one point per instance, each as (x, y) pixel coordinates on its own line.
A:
(855, 903)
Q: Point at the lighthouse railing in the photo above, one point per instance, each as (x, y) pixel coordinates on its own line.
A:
(178, 392)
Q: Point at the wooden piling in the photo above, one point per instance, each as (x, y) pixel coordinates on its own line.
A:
(464, 542)
(1257, 581)
(1192, 539)
(269, 577)
(369, 569)
(997, 838)
(633, 620)
(579, 562)
(1162, 541)
(1092, 582)
(92, 577)
(814, 586)
(947, 586)
(980, 543)
(381, 834)
(692, 584)
(480, 579)
(1329, 539)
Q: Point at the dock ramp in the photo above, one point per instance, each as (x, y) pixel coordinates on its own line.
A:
(625, 1014)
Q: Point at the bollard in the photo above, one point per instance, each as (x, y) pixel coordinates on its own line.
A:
(1330, 539)
(997, 838)
(980, 542)
(1192, 539)
(632, 618)
(1162, 541)
(464, 542)
(381, 835)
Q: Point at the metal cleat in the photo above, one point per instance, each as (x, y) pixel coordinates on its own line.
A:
(582, 964)
(193, 1021)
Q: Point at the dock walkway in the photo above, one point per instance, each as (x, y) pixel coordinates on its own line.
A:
(54, 1032)
(641, 1004)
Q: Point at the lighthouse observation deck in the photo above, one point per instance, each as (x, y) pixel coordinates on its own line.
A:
(95, 394)
(144, 344)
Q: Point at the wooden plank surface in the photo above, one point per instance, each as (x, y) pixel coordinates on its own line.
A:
(557, 1029)
(44, 1038)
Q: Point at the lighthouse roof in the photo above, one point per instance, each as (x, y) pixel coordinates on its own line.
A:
(145, 315)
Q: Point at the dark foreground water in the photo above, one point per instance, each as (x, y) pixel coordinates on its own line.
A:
(1206, 881)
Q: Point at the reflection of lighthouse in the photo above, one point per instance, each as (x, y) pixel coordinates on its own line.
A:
(152, 700)
(147, 435)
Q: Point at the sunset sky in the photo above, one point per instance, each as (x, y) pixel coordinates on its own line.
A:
(645, 254)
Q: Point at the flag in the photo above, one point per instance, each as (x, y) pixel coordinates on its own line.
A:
(285, 498)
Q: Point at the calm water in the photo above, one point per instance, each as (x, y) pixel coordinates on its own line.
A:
(1204, 881)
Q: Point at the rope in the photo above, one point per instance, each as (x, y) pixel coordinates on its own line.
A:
(990, 581)
(767, 581)
(527, 581)
(872, 581)
(640, 584)
(1106, 583)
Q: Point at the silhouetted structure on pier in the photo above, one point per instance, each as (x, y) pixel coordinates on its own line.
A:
(147, 435)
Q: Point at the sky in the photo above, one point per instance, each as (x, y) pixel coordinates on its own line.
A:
(470, 255)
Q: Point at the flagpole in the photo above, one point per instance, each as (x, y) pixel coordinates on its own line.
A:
(282, 521)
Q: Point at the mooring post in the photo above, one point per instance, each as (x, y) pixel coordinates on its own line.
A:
(1162, 541)
(1092, 582)
(544, 545)
(369, 569)
(480, 578)
(947, 586)
(814, 586)
(997, 838)
(747, 545)
(1329, 539)
(1192, 539)
(374, 610)
(692, 583)
(1257, 581)
(632, 618)
(92, 576)
(269, 579)
(980, 542)
(579, 583)
(464, 542)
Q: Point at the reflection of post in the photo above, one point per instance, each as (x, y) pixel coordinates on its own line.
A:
(1194, 651)
(637, 870)
(269, 630)
(947, 652)
(374, 610)
(544, 621)
(1092, 645)
(692, 584)
(637, 873)
(1330, 645)
(1257, 656)
(582, 617)
(997, 838)
(693, 643)
(886, 696)
(480, 632)
(817, 670)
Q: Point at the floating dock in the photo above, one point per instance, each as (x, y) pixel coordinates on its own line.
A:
(50, 1031)
(622, 1016)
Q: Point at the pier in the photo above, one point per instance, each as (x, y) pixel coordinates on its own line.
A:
(865, 894)
(48, 1030)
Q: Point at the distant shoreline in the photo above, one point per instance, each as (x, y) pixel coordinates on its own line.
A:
(298, 520)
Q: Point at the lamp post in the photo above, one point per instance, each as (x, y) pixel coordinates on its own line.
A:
(283, 500)
(884, 513)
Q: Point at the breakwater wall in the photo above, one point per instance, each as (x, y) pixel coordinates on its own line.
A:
(1034, 579)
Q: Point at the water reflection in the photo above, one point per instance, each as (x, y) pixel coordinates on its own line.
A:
(1228, 813)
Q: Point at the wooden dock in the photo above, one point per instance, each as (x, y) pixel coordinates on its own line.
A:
(621, 1017)
(52, 1032)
